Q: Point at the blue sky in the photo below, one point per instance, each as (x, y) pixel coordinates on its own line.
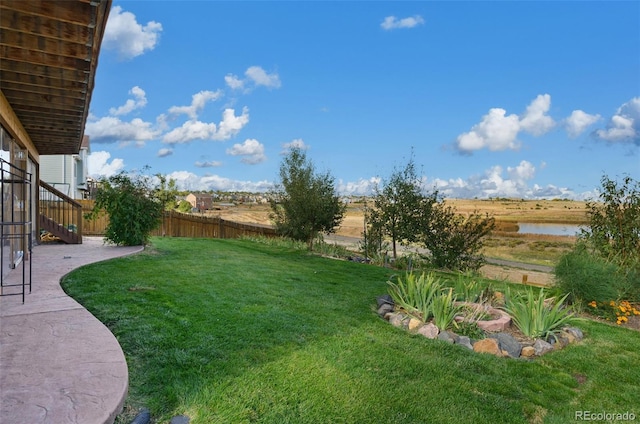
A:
(508, 99)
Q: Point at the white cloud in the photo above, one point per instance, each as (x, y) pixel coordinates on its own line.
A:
(261, 78)
(190, 131)
(232, 124)
(189, 181)
(362, 187)
(255, 76)
(110, 129)
(496, 131)
(391, 22)
(198, 102)
(198, 130)
(98, 165)
(251, 150)
(140, 101)
(297, 143)
(535, 119)
(624, 126)
(499, 131)
(578, 121)
(165, 152)
(234, 82)
(523, 172)
(127, 37)
(208, 164)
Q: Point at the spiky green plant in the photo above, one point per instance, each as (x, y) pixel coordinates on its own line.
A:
(536, 318)
(445, 309)
(415, 294)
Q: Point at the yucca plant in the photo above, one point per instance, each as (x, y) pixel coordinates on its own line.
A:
(536, 317)
(415, 294)
(445, 309)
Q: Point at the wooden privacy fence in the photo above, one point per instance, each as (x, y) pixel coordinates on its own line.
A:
(177, 224)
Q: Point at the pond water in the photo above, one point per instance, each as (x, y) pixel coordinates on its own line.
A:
(548, 229)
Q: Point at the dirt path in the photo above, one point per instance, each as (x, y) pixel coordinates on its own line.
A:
(496, 269)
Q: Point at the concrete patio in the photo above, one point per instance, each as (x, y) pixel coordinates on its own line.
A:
(58, 363)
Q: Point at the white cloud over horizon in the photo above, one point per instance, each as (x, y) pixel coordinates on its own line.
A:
(124, 35)
(139, 101)
(99, 166)
(296, 143)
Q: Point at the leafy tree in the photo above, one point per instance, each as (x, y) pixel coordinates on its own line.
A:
(184, 206)
(605, 262)
(304, 203)
(614, 222)
(454, 241)
(166, 192)
(397, 207)
(132, 207)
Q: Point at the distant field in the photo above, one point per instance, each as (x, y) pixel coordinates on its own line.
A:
(505, 211)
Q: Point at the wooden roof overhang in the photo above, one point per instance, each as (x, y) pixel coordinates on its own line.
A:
(48, 60)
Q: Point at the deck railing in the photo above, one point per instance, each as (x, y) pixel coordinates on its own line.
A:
(59, 214)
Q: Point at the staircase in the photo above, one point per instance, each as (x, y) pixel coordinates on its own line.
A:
(60, 215)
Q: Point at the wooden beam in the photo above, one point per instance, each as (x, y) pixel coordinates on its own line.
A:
(12, 124)
(74, 12)
(52, 46)
(43, 26)
(20, 55)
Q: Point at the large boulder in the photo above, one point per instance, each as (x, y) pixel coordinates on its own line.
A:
(508, 343)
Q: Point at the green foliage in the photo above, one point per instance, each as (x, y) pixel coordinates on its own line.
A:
(396, 207)
(537, 316)
(403, 213)
(467, 288)
(166, 192)
(305, 203)
(132, 208)
(453, 240)
(470, 329)
(184, 206)
(445, 309)
(604, 264)
(614, 222)
(415, 294)
(586, 277)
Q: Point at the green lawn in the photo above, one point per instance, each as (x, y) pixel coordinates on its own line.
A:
(235, 331)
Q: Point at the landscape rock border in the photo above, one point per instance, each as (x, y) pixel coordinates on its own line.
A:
(499, 343)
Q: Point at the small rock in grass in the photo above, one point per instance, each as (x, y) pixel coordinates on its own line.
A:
(465, 341)
(487, 346)
(414, 324)
(508, 343)
(446, 337)
(528, 352)
(576, 332)
(384, 309)
(385, 299)
(430, 331)
(396, 319)
(541, 347)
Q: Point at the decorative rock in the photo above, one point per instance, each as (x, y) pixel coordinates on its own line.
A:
(430, 331)
(465, 341)
(414, 324)
(528, 352)
(396, 319)
(575, 332)
(487, 346)
(560, 340)
(541, 347)
(446, 337)
(180, 419)
(385, 299)
(570, 337)
(498, 324)
(384, 309)
(508, 343)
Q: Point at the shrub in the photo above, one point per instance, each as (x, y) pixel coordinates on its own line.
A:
(534, 317)
(587, 277)
(132, 207)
